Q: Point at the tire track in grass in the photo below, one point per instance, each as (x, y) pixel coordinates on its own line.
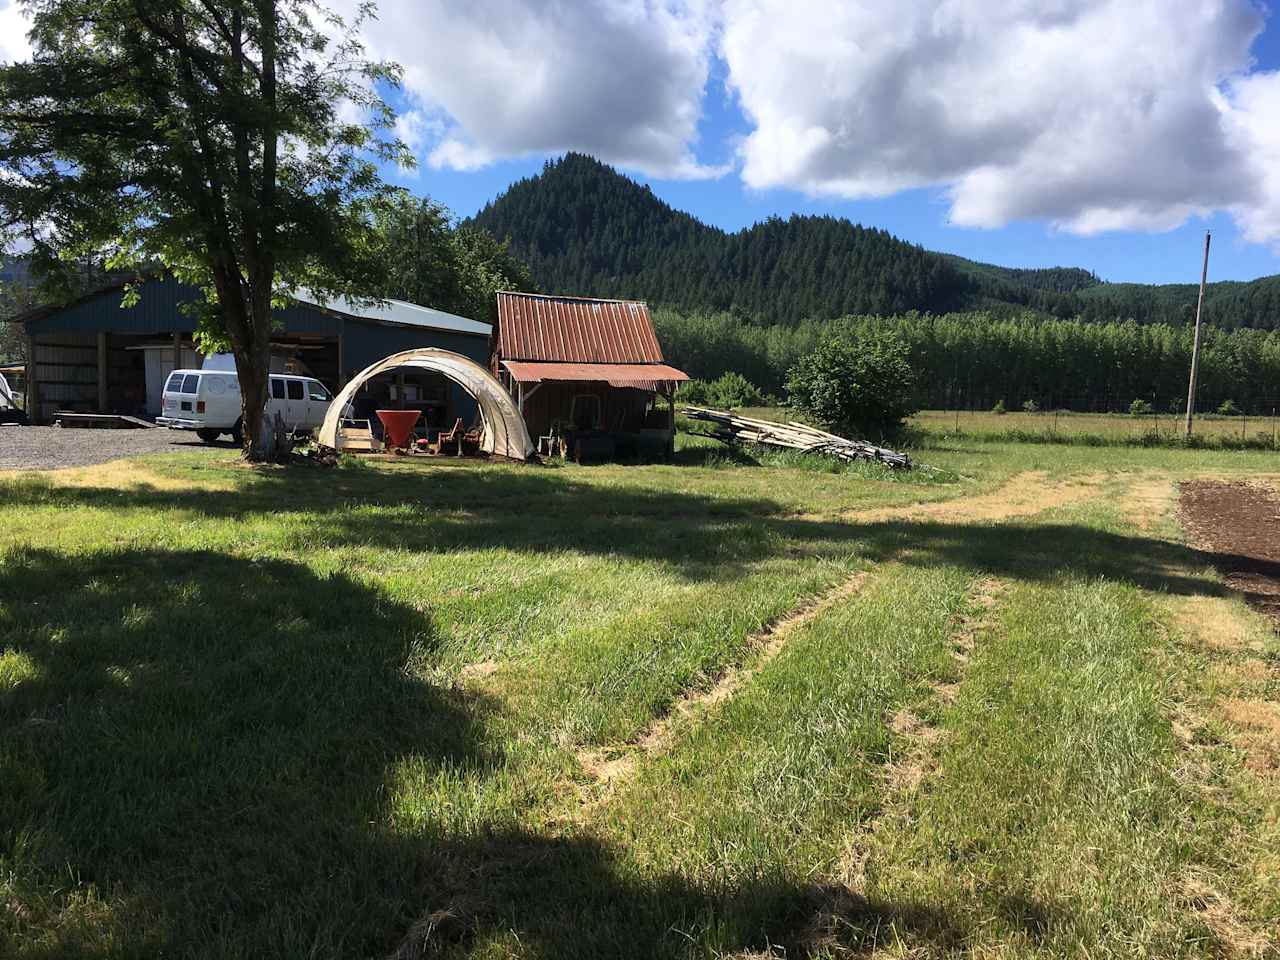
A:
(920, 736)
(608, 764)
(1024, 495)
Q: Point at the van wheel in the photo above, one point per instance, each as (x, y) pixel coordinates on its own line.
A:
(208, 436)
(237, 433)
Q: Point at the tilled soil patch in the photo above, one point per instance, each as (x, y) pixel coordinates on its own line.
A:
(1239, 525)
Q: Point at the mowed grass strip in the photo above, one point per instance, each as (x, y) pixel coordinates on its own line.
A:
(730, 840)
(231, 721)
(1055, 823)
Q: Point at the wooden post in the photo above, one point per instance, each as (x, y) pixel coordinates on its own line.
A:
(342, 360)
(33, 386)
(102, 372)
(177, 351)
(1195, 345)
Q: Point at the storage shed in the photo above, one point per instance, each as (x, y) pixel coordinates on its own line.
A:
(584, 369)
(98, 355)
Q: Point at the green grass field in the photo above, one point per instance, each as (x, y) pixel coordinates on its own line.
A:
(696, 710)
(1112, 427)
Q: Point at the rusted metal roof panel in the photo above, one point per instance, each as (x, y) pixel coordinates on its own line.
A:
(575, 330)
(639, 376)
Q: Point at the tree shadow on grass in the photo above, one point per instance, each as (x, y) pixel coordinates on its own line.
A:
(1038, 552)
(204, 743)
(209, 743)
(198, 756)
(702, 537)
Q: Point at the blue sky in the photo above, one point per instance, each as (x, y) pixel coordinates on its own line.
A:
(1145, 252)
(1104, 134)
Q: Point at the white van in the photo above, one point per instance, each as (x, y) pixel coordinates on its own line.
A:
(9, 409)
(208, 402)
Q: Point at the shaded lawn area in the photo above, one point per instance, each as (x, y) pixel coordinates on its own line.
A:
(236, 717)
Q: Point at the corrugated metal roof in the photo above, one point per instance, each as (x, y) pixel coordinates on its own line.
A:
(574, 330)
(641, 376)
(158, 310)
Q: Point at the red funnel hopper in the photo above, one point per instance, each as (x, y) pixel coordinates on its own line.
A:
(399, 425)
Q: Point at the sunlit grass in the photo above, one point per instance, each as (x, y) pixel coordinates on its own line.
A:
(337, 712)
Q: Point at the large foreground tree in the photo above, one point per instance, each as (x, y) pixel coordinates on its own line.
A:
(233, 142)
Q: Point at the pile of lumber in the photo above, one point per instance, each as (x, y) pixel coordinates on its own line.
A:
(732, 428)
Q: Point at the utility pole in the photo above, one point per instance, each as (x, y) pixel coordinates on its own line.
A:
(1195, 346)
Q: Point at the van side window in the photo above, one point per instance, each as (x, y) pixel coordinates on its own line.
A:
(191, 383)
(175, 383)
(295, 389)
(317, 390)
(277, 388)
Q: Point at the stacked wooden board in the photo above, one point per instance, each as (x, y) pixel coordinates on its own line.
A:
(732, 428)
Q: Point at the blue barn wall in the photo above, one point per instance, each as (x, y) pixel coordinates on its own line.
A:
(158, 312)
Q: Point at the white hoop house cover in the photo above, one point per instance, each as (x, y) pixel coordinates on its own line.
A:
(505, 434)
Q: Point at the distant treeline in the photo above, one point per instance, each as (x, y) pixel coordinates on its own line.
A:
(974, 360)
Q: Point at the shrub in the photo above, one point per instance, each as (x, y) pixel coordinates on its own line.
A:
(1030, 406)
(733, 390)
(726, 392)
(999, 408)
(1228, 409)
(693, 392)
(861, 387)
(1141, 408)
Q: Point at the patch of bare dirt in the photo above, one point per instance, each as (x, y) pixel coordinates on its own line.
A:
(1214, 623)
(1258, 723)
(608, 764)
(478, 671)
(1220, 915)
(1148, 501)
(1238, 524)
(1023, 496)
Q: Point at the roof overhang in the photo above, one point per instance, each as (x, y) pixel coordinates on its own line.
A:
(639, 376)
(395, 312)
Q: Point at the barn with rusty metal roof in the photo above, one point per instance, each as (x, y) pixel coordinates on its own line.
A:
(587, 374)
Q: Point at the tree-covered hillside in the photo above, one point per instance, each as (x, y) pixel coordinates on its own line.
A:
(586, 229)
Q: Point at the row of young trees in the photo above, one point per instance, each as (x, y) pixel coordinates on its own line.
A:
(974, 360)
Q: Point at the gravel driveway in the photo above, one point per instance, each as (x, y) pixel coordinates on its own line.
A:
(47, 448)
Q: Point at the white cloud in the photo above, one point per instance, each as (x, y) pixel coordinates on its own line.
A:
(455, 154)
(621, 79)
(1252, 109)
(1093, 114)
(13, 33)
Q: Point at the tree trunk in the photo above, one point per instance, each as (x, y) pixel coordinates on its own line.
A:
(252, 371)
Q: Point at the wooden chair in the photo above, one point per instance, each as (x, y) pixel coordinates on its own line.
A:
(471, 440)
(451, 438)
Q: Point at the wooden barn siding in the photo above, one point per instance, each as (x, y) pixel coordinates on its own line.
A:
(66, 369)
(554, 401)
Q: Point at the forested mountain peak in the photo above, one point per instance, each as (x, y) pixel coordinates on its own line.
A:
(586, 229)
